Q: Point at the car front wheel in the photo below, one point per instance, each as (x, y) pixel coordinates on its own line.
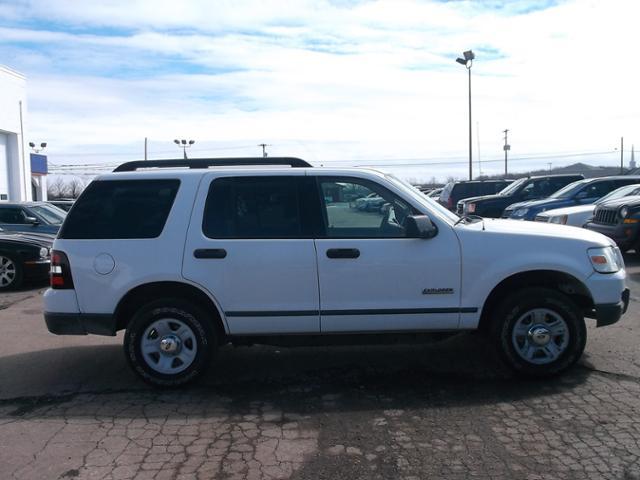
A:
(170, 342)
(539, 332)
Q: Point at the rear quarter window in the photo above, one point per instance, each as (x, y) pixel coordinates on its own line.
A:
(112, 209)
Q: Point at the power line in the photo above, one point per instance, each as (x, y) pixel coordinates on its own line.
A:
(542, 157)
(133, 153)
(397, 162)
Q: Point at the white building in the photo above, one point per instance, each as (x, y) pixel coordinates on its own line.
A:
(16, 181)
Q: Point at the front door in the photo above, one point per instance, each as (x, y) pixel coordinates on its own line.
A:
(250, 244)
(373, 278)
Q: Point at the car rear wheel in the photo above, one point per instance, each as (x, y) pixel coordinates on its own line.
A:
(10, 272)
(539, 332)
(170, 342)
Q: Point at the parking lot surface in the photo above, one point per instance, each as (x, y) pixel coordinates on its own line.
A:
(70, 408)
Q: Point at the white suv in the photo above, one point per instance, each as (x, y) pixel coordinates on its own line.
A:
(188, 259)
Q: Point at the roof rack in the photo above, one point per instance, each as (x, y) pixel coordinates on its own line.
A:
(212, 162)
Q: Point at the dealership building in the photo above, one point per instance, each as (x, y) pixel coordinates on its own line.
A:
(22, 174)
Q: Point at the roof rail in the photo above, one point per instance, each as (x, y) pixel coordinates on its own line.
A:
(212, 162)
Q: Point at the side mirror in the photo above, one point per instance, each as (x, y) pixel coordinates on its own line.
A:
(420, 226)
(32, 220)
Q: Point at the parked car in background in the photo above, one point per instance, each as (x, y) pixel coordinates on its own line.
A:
(31, 217)
(577, 216)
(23, 257)
(529, 188)
(619, 220)
(62, 204)
(583, 192)
(453, 192)
(435, 193)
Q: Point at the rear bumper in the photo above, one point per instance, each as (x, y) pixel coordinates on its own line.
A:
(80, 323)
(36, 269)
(610, 313)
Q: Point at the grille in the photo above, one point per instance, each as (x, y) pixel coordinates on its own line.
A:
(542, 218)
(606, 216)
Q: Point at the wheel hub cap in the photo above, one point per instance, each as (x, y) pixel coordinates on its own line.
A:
(540, 336)
(170, 345)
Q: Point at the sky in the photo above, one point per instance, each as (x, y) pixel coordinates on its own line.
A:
(336, 82)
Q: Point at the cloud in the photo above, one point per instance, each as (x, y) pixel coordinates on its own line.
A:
(334, 80)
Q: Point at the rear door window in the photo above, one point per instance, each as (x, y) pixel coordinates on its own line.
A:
(112, 209)
(262, 207)
(597, 189)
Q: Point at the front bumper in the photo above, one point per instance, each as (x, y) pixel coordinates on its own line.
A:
(80, 323)
(625, 235)
(609, 313)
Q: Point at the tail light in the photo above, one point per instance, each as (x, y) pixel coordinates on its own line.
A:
(450, 202)
(60, 271)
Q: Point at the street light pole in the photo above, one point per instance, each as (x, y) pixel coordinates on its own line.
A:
(506, 149)
(467, 61)
(184, 144)
(264, 149)
(470, 132)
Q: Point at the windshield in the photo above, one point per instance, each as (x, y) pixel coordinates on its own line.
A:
(621, 192)
(509, 189)
(51, 214)
(423, 199)
(569, 190)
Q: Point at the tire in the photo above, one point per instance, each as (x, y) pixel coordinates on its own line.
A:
(11, 272)
(170, 343)
(527, 319)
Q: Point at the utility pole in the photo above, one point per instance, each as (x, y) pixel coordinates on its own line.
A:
(506, 148)
(478, 144)
(621, 155)
(264, 147)
(549, 165)
(145, 148)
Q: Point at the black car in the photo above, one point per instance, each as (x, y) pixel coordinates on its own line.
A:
(31, 217)
(23, 256)
(528, 188)
(453, 192)
(618, 219)
(63, 204)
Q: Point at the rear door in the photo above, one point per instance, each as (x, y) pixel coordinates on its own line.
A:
(250, 243)
(372, 278)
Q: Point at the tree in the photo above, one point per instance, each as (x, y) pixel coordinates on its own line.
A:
(75, 187)
(59, 188)
(56, 188)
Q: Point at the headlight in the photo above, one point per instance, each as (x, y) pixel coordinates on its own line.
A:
(471, 207)
(624, 211)
(521, 212)
(559, 219)
(606, 259)
(44, 252)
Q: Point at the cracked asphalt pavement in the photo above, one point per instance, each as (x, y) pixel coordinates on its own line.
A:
(71, 409)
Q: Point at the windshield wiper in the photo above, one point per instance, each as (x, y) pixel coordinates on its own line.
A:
(469, 218)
